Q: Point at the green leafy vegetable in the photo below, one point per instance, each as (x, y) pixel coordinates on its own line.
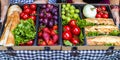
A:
(92, 34)
(115, 33)
(64, 22)
(81, 37)
(83, 23)
(68, 43)
(110, 44)
(24, 31)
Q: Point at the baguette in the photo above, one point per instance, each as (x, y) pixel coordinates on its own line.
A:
(102, 29)
(101, 21)
(13, 18)
(11, 10)
(103, 40)
(7, 38)
(14, 8)
(10, 39)
(4, 36)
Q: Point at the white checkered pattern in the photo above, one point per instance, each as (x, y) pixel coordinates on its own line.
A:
(60, 55)
(51, 1)
(21, 1)
(29, 1)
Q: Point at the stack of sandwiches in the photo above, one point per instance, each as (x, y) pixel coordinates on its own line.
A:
(104, 32)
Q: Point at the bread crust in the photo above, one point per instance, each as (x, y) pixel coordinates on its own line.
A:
(102, 29)
(103, 40)
(101, 21)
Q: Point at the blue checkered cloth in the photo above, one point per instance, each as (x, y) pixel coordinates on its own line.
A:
(29, 1)
(21, 1)
(52, 1)
(60, 55)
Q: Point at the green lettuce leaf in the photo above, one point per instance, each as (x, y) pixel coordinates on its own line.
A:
(115, 33)
(24, 31)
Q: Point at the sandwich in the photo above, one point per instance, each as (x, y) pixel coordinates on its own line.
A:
(104, 32)
(101, 29)
(103, 40)
(101, 21)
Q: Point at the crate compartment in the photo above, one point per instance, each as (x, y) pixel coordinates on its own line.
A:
(96, 6)
(71, 13)
(99, 34)
(49, 26)
(21, 6)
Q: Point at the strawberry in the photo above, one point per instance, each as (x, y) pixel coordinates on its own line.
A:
(50, 42)
(53, 32)
(55, 38)
(46, 36)
(40, 34)
(55, 27)
(46, 30)
(41, 42)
